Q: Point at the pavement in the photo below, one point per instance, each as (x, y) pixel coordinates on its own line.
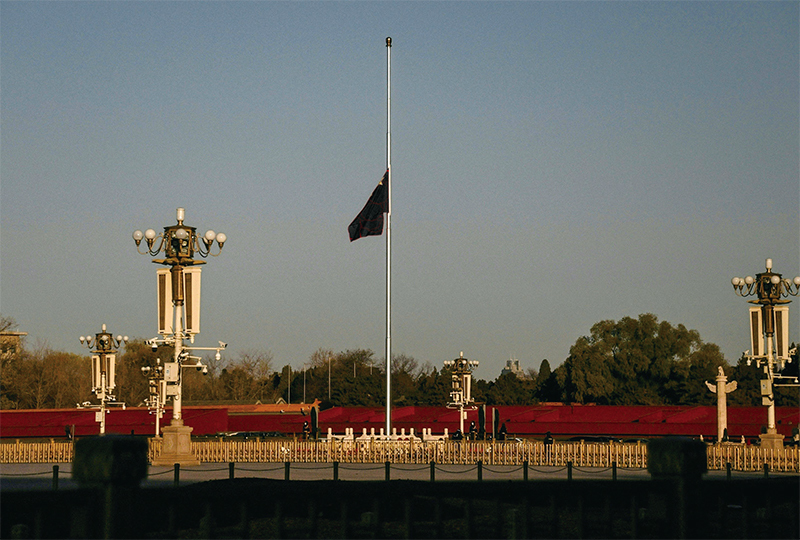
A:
(40, 476)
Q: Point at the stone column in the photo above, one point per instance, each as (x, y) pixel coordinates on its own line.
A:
(722, 389)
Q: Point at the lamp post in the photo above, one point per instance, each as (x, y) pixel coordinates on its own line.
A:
(767, 322)
(179, 319)
(461, 395)
(157, 387)
(103, 363)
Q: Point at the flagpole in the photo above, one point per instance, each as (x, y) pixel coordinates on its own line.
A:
(389, 237)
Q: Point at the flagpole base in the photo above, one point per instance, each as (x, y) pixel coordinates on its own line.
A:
(771, 440)
(176, 446)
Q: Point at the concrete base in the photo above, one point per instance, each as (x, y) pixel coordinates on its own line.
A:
(176, 446)
(772, 440)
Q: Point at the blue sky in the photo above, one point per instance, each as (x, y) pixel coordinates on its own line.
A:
(554, 164)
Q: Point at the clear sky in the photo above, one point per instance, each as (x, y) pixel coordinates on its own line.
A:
(554, 164)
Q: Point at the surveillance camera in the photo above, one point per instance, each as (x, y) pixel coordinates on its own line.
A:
(200, 368)
(205, 370)
(222, 344)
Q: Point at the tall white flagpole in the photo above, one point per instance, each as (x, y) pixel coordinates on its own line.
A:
(389, 237)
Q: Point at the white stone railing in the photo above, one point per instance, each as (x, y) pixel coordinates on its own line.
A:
(36, 452)
(416, 451)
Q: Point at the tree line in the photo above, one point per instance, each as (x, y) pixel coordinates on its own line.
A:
(633, 361)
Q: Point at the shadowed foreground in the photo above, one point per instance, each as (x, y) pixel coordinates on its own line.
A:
(258, 508)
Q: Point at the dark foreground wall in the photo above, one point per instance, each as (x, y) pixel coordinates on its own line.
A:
(255, 508)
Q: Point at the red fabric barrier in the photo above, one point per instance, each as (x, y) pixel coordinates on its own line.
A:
(532, 421)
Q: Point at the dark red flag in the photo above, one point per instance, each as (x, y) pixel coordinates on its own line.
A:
(369, 222)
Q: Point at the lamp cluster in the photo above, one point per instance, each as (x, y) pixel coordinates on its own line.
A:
(461, 379)
(769, 286)
(179, 242)
(103, 341)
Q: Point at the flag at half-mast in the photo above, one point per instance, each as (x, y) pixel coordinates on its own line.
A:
(369, 222)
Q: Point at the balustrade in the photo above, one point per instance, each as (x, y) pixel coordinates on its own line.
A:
(415, 451)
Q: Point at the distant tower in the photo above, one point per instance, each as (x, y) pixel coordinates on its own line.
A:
(512, 366)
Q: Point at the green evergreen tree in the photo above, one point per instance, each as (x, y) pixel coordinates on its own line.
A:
(509, 389)
(546, 387)
(639, 362)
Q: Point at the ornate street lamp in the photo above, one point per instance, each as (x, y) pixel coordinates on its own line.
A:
(461, 395)
(103, 367)
(767, 322)
(179, 319)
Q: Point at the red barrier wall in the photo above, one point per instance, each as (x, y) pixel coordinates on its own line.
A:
(51, 422)
(523, 421)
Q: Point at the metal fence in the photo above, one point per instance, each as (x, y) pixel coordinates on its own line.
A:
(534, 453)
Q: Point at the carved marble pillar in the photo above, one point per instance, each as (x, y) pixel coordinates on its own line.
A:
(722, 388)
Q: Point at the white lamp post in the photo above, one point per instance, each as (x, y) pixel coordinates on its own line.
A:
(178, 288)
(461, 395)
(103, 367)
(767, 322)
(157, 387)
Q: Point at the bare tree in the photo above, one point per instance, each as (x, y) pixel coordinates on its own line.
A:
(132, 384)
(10, 345)
(321, 357)
(247, 378)
(7, 324)
(43, 378)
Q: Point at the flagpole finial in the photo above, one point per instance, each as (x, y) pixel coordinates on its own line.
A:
(388, 42)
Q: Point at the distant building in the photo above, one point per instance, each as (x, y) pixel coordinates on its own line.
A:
(512, 366)
(10, 343)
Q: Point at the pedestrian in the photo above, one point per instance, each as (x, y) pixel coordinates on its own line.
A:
(548, 445)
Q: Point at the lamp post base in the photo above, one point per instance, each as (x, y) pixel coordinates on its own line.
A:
(176, 446)
(771, 440)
